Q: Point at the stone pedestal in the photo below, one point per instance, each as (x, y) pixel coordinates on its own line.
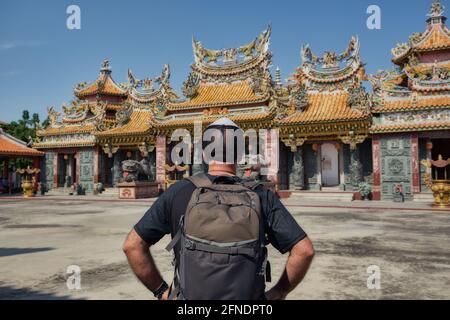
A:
(138, 190)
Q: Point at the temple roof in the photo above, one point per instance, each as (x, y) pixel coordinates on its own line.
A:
(222, 94)
(139, 123)
(331, 68)
(227, 77)
(435, 37)
(11, 146)
(231, 61)
(147, 91)
(325, 107)
(325, 89)
(103, 85)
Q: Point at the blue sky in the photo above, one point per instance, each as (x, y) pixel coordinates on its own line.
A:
(41, 60)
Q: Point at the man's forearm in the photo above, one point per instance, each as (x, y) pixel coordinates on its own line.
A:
(141, 261)
(297, 265)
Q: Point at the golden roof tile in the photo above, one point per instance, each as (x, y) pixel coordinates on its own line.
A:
(139, 122)
(223, 94)
(104, 85)
(325, 107)
(67, 129)
(437, 38)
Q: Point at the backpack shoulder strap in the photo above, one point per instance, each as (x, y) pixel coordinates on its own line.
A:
(252, 185)
(200, 180)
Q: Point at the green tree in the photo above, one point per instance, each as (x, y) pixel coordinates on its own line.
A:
(25, 127)
(35, 121)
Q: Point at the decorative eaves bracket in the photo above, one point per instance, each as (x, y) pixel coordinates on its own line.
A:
(110, 149)
(353, 140)
(293, 142)
(145, 148)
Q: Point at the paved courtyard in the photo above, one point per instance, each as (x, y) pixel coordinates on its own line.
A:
(40, 238)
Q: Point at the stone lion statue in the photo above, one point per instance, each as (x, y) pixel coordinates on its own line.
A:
(135, 170)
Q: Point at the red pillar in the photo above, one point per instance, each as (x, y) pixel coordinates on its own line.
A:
(161, 161)
(36, 175)
(376, 192)
(272, 155)
(415, 163)
(96, 165)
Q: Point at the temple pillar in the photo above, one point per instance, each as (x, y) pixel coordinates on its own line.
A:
(376, 192)
(355, 167)
(68, 179)
(415, 163)
(55, 169)
(117, 172)
(76, 158)
(297, 176)
(161, 161)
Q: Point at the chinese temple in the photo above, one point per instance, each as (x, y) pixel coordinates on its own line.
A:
(411, 110)
(332, 134)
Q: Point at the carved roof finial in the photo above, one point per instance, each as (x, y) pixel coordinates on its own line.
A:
(105, 68)
(436, 13)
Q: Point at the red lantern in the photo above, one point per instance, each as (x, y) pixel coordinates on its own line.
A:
(429, 145)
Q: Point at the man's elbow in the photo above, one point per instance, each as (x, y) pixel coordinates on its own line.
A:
(305, 248)
(309, 252)
(131, 243)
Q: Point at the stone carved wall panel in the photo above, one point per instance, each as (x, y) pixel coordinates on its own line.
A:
(395, 153)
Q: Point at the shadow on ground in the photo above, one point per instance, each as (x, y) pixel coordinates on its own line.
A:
(5, 252)
(11, 293)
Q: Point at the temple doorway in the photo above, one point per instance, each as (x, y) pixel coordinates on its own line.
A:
(329, 165)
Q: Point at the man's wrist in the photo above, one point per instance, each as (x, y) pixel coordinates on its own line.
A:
(158, 293)
(281, 291)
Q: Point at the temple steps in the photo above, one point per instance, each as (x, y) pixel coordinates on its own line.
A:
(110, 192)
(423, 197)
(325, 196)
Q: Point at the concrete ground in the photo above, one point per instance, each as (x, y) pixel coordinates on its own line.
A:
(40, 238)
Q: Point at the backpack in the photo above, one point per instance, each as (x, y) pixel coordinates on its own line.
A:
(222, 239)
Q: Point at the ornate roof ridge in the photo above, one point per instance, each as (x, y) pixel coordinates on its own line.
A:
(148, 93)
(331, 68)
(231, 61)
(104, 84)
